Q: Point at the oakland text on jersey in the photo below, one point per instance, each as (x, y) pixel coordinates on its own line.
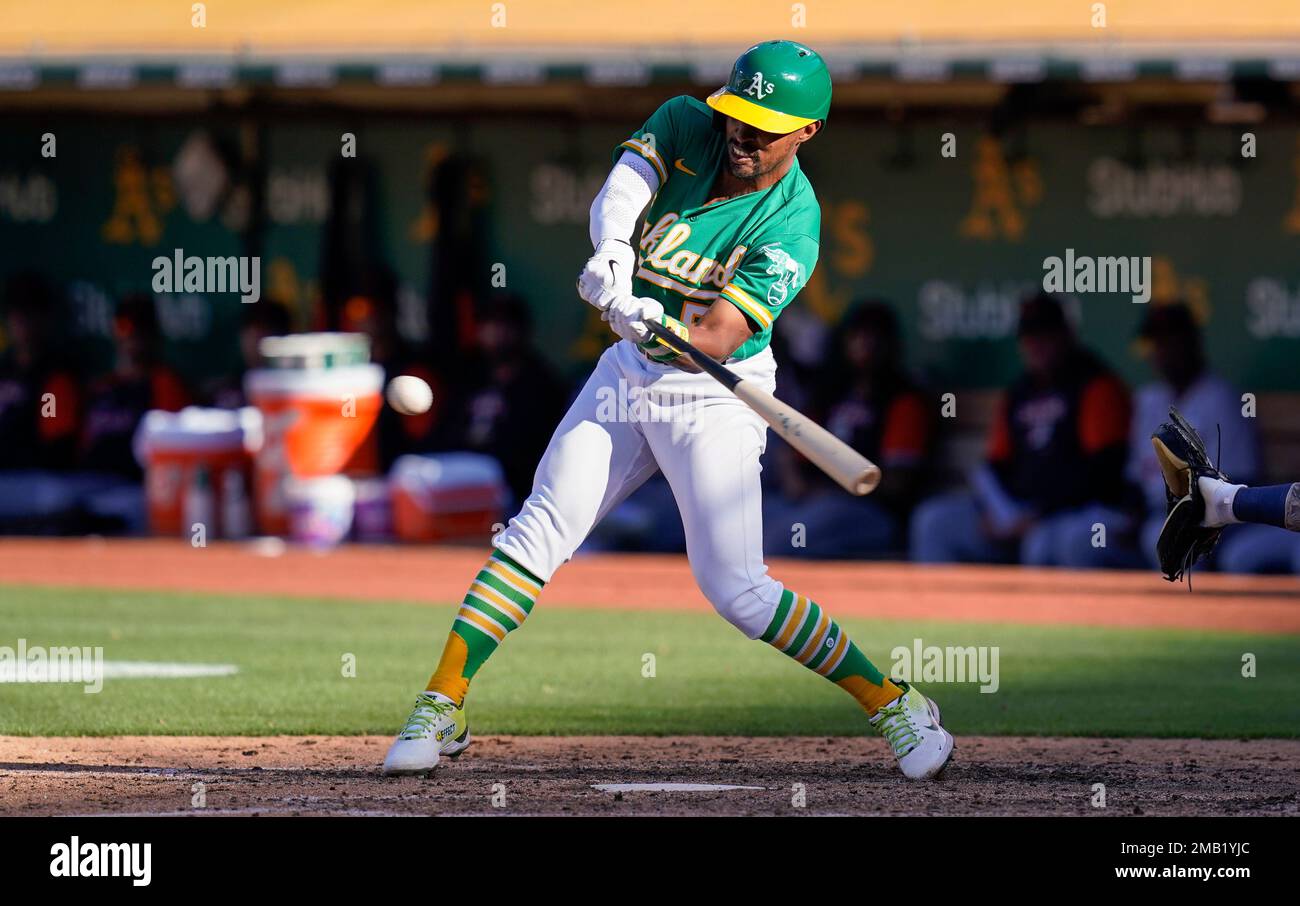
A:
(662, 245)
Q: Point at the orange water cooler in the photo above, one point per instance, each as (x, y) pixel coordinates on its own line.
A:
(447, 497)
(197, 451)
(320, 403)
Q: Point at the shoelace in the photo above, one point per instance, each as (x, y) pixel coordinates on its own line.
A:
(420, 723)
(895, 724)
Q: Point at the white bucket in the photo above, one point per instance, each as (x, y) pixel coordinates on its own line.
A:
(320, 509)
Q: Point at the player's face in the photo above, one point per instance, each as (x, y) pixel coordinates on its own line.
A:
(752, 153)
(1176, 355)
(1044, 352)
(862, 348)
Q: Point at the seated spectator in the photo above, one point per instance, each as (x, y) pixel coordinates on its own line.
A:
(138, 382)
(40, 414)
(115, 403)
(871, 404)
(510, 402)
(40, 396)
(1185, 379)
(1055, 463)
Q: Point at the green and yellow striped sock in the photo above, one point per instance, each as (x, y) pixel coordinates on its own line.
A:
(802, 630)
(499, 600)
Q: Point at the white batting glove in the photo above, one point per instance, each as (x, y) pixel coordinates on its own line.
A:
(608, 273)
(626, 315)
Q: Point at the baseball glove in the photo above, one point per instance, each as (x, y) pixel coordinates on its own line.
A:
(1183, 459)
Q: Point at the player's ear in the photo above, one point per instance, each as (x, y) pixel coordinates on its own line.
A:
(808, 131)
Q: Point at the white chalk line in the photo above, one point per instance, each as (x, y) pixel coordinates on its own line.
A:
(268, 810)
(670, 787)
(164, 670)
(89, 672)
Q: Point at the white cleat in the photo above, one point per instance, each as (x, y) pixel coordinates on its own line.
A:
(435, 728)
(910, 724)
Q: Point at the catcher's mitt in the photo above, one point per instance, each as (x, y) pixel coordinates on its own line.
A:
(1183, 459)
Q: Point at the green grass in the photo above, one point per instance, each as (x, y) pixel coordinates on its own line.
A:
(580, 671)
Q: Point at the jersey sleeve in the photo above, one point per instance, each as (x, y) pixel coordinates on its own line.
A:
(660, 137)
(906, 436)
(65, 419)
(169, 392)
(999, 440)
(769, 276)
(1104, 415)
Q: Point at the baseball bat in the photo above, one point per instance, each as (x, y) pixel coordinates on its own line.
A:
(850, 469)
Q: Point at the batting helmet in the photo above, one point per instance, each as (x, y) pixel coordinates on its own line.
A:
(776, 86)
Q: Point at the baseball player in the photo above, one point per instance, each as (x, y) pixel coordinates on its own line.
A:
(730, 237)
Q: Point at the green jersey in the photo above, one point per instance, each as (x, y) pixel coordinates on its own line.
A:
(754, 251)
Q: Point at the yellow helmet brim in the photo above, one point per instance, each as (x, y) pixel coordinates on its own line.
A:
(726, 102)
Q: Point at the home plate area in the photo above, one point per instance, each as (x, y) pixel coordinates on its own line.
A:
(624, 775)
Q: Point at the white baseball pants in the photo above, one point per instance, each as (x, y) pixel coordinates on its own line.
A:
(633, 417)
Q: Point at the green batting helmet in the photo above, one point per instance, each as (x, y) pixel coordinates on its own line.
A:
(776, 86)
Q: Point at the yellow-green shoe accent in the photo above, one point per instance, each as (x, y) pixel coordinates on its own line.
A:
(435, 728)
(910, 724)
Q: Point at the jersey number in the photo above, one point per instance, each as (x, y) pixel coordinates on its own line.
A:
(692, 312)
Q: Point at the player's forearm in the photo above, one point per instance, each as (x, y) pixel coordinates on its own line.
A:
(715, 340)
(607, 275)
(618, 205)
(718, 334)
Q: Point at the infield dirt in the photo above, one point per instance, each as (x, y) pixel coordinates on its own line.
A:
(532, 775)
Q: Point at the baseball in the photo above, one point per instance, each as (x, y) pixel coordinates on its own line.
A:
(409, 395)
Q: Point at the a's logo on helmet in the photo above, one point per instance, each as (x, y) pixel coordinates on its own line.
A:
(758, 88)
